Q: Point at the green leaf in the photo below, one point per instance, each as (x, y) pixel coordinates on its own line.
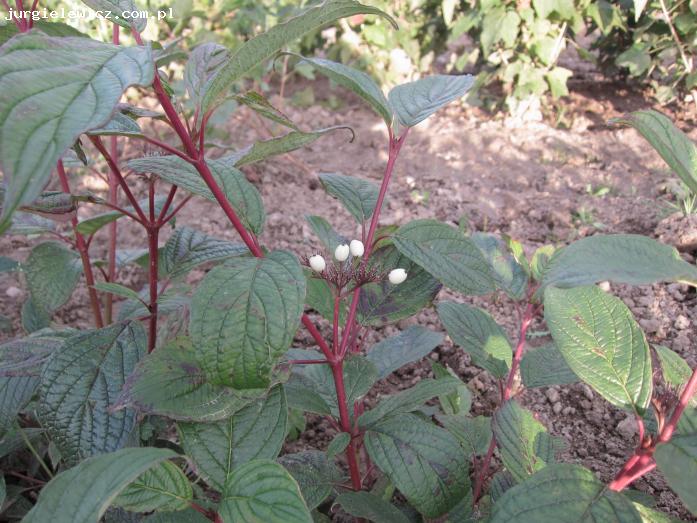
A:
(315, 474)
(34, 317)
(687, 424)
(116, 8)
(258, 103)
(447, 254)
(79, 384)
(255, 432)
(244, 315)
(241, 194)
(510, 275)
(408, 346)
(52, 272)
(169, 382)
(183, 516)
(424, 462)
(320, 297)
(557, 78)
(358, 196)
(563, 493)
(457, 401)
(500, 483)
(604, 257)
(356, 81)
(525, 445)
(326, 233)
(540, 261)
(7, 31)
(677, 461)
(188, 248)
(26, 356)
(117, 290)
(265, 45)
(674, 146)
(371, 507)
(15, 393)
(203, 62)
(602, 343)
(636, 59)
(675, 370)
(545, 366)
(279, 145)
(474, 434)
(119, 125)
(262, 490)
(338, 444)
(408, 400)
(83, 493)
(478, 334)
(52, 204)
(13, 440)
(382, 302)
(164, 488)
(413, 102)
(61, 87)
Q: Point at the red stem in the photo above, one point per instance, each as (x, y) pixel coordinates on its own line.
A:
(395, 146)
(117, 172)
(345, 419)
(528, 316)
(642, 462)
(153, 230)
(176, 209)
(166, 206)
(81, 247)
(167, 147)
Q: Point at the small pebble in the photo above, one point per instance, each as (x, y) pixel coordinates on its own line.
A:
(13, 292)
(682, 323)
(604, 286)
(552, 395)
(587, 391)
(568, 411)
(627, 427)
(650, 325)
(586, 404)
(556, 408)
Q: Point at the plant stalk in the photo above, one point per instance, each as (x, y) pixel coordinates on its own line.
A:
(528, 316)
(83, 251)
(395, 147)
(642, 461)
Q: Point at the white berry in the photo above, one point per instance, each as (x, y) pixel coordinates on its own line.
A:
(397, 276)
(342, 252)
(317, 263)
(357, 248)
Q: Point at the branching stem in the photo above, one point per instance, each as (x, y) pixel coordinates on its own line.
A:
(83, 251)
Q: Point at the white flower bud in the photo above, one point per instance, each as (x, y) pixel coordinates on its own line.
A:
(357, 248)
(397, 276)
(342, 252)
(317, 263)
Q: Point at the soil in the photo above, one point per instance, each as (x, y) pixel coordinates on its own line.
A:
(535, 182)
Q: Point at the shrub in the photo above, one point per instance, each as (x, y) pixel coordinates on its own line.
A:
(178, 405)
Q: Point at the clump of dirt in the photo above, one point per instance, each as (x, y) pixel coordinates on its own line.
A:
(536, 183)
